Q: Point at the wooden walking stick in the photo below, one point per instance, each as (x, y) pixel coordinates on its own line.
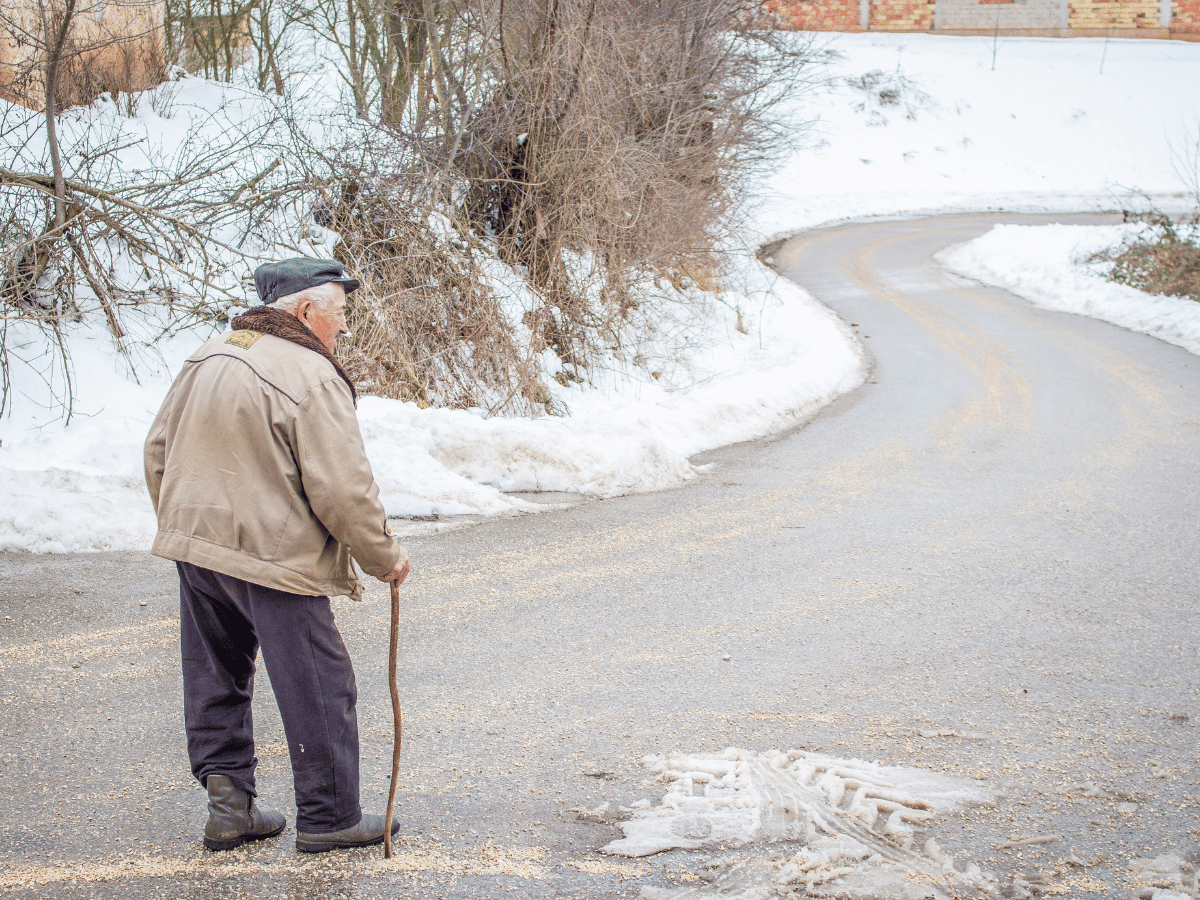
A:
(397, 725)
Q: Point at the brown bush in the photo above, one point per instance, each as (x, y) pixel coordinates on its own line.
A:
(617, 138)
(588, 143)
(1164, 259)
(119, 50)
(426, 325)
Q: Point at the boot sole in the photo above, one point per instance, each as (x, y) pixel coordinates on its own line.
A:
(318, 846)
(325, 847)
(221, 846)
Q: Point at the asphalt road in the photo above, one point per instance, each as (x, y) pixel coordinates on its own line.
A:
(983, 561)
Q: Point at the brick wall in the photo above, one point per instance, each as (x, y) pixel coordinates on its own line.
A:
(816, 15)
(902, 15)
(1045, 16)
(1103, 14)
(1185, 16)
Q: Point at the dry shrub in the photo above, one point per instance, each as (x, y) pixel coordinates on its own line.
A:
(590, 144)
(426, 325)
(1163, 259)
(619, 133)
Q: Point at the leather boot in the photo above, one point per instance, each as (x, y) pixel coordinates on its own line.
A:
(367, 832)
(233, 818)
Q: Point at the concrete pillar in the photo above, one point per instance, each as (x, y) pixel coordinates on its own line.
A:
(1064, 13)
(864, 14)
(1164, 13)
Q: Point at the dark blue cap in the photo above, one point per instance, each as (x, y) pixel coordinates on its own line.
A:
(288, 276)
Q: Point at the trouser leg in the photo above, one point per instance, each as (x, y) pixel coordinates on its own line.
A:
(218, 646)
(314, 686)
(223, 621)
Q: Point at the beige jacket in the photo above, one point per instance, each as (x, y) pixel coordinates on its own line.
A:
(257, 469)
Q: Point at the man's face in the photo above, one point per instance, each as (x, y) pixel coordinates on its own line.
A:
(328, 322)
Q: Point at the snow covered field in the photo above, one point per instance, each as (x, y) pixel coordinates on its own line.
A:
(1046, 265)
(934, 128)
(905, 124)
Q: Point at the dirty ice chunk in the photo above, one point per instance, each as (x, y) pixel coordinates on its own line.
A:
(738, 797)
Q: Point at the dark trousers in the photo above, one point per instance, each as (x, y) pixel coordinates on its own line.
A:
(223, 621)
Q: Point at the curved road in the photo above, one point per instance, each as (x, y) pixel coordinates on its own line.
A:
(985, 560)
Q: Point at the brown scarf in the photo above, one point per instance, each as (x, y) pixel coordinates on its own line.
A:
(284, 325)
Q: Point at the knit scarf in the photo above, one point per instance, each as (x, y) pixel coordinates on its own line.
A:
(280, 324)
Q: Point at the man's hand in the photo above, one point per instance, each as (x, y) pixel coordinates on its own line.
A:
(397, 575)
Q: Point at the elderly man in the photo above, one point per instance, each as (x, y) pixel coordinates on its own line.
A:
(263, 493)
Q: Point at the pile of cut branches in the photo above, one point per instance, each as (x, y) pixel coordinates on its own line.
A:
(82, 229)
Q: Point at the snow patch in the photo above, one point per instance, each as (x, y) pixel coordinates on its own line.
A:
(1166, 877)
(858, 822)
(1045, 265)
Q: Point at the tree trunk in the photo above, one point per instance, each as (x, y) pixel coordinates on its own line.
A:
(55, 44)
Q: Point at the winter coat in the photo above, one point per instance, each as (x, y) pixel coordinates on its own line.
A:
(256, 468)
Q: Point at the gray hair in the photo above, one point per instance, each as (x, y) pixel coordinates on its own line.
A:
(323, 295)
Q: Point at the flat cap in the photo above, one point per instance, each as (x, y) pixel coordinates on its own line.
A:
(278, 279)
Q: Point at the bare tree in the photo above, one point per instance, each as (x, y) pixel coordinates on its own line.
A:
(210, 37)
(68, 53)
(215, 38)
(91, 232)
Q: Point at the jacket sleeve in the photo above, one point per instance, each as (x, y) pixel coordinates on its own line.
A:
(337, 480)
(155, 455)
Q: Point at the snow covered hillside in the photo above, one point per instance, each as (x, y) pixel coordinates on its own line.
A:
(80, 487)
(922, 123)
(907, 123)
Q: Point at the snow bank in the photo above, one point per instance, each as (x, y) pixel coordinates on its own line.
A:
(628, 431)
(80, 486)
(1045, 265)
